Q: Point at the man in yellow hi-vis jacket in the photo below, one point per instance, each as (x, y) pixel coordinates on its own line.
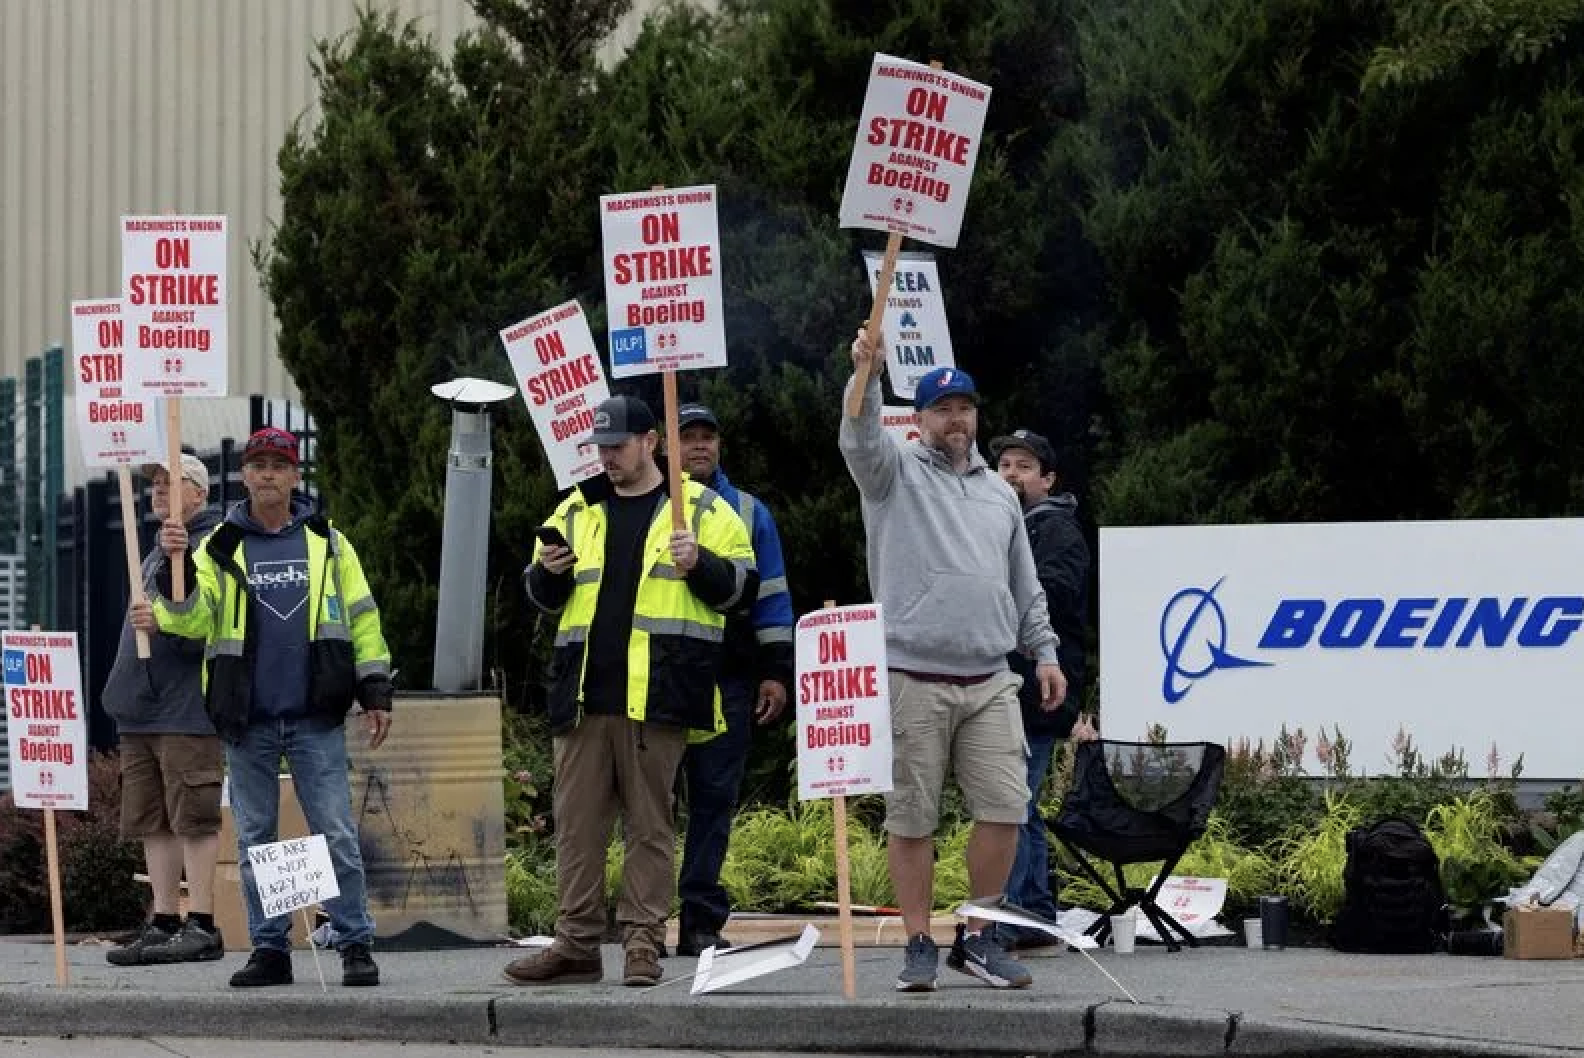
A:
(642, 620)
(292, 642)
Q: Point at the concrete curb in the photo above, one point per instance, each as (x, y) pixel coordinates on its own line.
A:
(919, 1025)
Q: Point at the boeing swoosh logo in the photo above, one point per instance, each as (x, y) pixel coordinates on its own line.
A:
(1193, 639)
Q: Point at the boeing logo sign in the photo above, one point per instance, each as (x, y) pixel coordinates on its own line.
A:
(1194, 632)
(1193, 638)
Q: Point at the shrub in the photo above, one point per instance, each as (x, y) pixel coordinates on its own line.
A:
(531, 901)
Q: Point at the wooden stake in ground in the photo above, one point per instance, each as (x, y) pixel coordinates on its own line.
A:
(57, 918)
(173, 468)
(844, 922)
(129, 534)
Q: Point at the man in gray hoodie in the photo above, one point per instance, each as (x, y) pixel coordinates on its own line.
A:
(950, 564)
(172, 763)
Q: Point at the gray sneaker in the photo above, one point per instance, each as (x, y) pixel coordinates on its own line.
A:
(920, 966)
(192, 944)
(979, 955)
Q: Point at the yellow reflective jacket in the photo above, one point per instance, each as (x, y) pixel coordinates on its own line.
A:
(674, 651)
(348, 658)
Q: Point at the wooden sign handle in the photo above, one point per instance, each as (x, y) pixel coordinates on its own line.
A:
(673, 440)
(173, 454)
(844, 921)
(57, 918)
(129, 536)
(877, 309)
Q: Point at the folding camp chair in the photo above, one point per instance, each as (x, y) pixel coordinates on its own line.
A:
(1138, 802)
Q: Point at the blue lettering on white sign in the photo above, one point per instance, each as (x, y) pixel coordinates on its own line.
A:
(1194, 631)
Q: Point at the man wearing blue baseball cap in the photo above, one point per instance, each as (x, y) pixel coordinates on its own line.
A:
(949, 562)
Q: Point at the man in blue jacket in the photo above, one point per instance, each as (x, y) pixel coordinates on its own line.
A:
(756, 673)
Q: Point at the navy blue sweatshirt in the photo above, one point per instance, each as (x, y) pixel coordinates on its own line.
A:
(277, 572)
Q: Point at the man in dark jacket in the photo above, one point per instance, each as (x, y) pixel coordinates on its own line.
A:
(756, 671)
(172, 763)
(1027, 462)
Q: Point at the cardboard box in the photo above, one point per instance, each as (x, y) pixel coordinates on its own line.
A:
(1538, 933)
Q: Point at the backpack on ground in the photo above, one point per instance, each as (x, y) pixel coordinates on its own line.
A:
(1393, 900)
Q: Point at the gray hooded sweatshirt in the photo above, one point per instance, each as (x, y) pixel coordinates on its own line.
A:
(949, 557)
(163, 695)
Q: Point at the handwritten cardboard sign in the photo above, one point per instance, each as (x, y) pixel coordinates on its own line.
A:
(291, 875)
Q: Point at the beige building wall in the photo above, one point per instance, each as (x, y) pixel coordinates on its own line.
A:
(110, 107)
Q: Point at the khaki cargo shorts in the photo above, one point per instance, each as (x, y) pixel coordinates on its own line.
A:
(976, 730)
(170, 784)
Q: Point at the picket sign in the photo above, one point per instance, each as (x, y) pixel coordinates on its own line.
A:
(173, 300)
(557, 370)
(293, 875)
(48, 745)
(914, 320)
(923, 142)
(900, 421)
(843, 730)
(115, 427)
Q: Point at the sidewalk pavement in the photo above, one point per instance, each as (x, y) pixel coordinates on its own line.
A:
(1212, 1001)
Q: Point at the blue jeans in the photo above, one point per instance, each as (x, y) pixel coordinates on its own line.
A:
(712, 774)
(1028, 885)
(317, 755)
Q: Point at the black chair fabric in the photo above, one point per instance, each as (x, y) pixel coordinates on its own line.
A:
(1138, 802)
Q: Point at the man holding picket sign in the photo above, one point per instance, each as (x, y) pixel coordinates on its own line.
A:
(948, 554)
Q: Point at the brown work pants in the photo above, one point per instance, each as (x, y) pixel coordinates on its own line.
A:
(609, 765)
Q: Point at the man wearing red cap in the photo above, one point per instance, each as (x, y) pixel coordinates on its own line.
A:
(293, 642)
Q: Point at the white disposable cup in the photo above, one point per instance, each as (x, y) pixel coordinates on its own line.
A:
(1122, 933)
(1253, 933)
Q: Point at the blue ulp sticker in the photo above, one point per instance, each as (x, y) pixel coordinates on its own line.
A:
(629, 347)
(16, 668)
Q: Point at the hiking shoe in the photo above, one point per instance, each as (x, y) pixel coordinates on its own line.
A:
(192, 944)
(980, 956)
(551, 967)
(641, 968)
(920, 965)
(135, 952)
(357, 966)
(265, 966)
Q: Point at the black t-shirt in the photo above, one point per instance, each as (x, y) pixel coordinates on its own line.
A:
(627, 522)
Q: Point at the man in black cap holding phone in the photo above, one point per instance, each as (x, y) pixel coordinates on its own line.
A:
(640, 611)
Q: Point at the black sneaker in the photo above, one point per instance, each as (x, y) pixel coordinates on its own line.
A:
(265, 966)
(192, 944)
(692, 945)
(135, 953)
(357, 966)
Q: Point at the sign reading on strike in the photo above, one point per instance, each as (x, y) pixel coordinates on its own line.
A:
(917, 338)
(113, 425)
(173, 303)
(900, 422)
(918, 140)
(558, 370)
(843, 703)
(46, 720)
(293, 874)
(662, 281)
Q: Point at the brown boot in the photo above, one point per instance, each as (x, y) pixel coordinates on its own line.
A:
(552, 967)
(641, 968)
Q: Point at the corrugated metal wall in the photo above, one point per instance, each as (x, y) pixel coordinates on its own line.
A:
(147, 106)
